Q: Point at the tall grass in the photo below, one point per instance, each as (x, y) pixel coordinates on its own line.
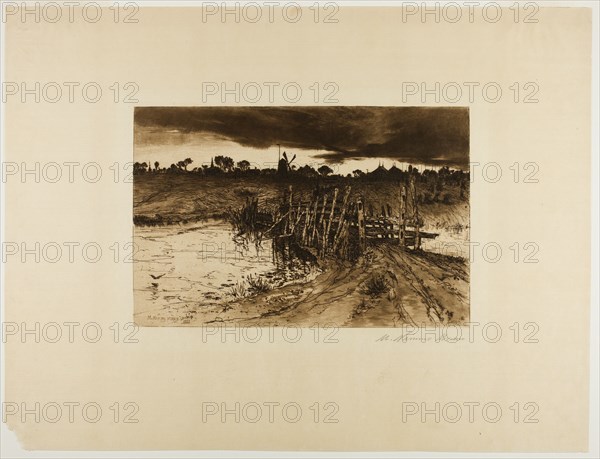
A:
(251, 285)
(245, 220)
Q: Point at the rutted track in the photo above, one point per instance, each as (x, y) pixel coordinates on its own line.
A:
(424, 289)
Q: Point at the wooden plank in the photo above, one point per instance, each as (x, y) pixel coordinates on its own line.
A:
(408, 234)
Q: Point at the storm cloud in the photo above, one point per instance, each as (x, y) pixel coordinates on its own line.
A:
(426, 135)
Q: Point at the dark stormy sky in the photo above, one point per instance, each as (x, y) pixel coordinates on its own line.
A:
(417, 135)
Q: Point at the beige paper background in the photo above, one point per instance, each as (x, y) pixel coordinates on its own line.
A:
(171, 371)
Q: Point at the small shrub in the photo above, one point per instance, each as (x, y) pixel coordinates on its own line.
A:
(375, 285)
(238, 290)
(258, 284)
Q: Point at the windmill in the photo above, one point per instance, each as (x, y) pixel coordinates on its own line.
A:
(285, 164)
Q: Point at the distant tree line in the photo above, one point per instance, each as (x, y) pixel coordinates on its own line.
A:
(433, 185)
(226, 165)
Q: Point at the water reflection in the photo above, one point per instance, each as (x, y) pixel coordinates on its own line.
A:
(179, 269)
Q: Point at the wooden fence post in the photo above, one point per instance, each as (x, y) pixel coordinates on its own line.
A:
(402, 216)
(306, 223)
(290, 209)
(312, 234)
(341, 222)
(328, 226)
(413, 187)
(362, 238)
(298, 211)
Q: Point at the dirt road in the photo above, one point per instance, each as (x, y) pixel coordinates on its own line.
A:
(418, 288)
